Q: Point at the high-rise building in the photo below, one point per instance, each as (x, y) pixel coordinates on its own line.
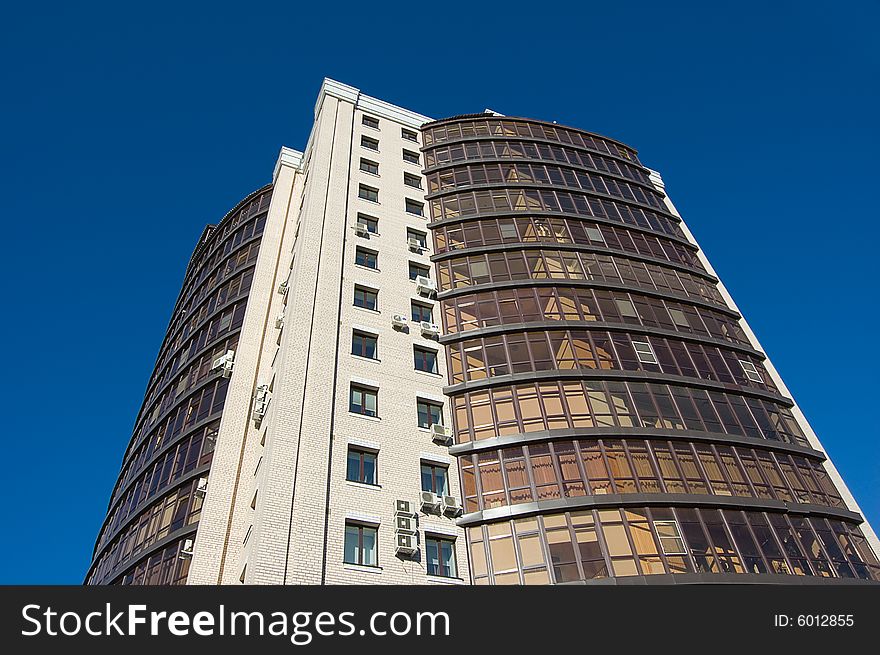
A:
(478, 350)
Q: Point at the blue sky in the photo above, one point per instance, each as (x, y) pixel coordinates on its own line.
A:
(124, 132)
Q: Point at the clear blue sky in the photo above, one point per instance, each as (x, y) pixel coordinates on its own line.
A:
(125, 129)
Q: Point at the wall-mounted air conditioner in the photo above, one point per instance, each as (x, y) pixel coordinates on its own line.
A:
(425, 285)
(440, 435)
(429, 329)
(224, 363)
(450, 506)
(430, 502)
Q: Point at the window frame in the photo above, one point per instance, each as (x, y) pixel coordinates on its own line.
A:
(420, 305)
(425, 270)
(370, 191)
(368, 142)
(368, 221)
(355, 333)
(362, 453)
(361, 527)
(409, 153)
(370, 121)
(745, 364)
(365, 391)
(370, 166)
(375, 255)
(409, 203)
(439, 541)
(417, 350)
(428, 405)
(366, 290)
(434, 466)
(409, 135)
(651, 352)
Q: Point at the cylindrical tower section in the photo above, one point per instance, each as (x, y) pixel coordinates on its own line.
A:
(612, 419)
(156, 503)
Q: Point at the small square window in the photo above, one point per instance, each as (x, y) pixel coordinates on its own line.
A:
(644, 352)
(409, 135)
(369, 121)
(422, 312)
(670, 538)
(679, 318)
(626, 308)
(367, 258)
(417, 237)
(594, 234)
(372, 224)
(429, 413)
(411, 157)
(751, 371)
(368, 193)
(364, 345)
(369, 143)
(425, 359)
(412, 180)
(360, 544)
(363, 400)
(440, 557)
(366, 298)
(415, 207)
(435, 478)
(361, 466)
(369, 166)
(417, 270)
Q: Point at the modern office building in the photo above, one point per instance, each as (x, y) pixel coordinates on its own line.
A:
(478, 350)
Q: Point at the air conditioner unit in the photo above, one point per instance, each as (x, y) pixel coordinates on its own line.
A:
(440, 435)
(283, 288)
(407, 544)
(425, 285)
(360, 229)
(187, 550)
(261, 402)
(403, 507)
(450, 506)
(430, 502)
(404, 523)
(279, 321)
(429, 329)
(224, 363)
(398, 320)
(202, 486)
(414, 244)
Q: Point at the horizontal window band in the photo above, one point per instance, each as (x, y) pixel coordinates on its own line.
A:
(532, 186)
(534, 139)
(436, 168)
(682, 240)
(209, 345)
(175, 326)
(184, 399)
(653, 434)
(177, 535)
(613, 375)
(586, 284)
(551, 326)
(718, 578)
(222, 224)
(613, 501)
(570, 247)
(179, 482)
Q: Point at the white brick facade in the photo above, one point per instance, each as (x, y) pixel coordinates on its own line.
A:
(278, 499)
